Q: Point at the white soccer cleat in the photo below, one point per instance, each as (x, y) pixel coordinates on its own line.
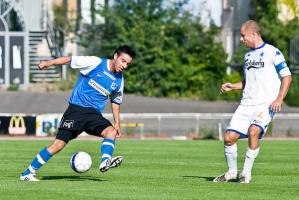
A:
(105, 165)
(116, 161)
(244, 178)
(29, 177)
(225, 177)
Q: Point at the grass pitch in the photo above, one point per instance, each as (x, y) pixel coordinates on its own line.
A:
(151, 170)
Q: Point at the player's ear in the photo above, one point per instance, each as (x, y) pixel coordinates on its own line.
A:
(115, 56)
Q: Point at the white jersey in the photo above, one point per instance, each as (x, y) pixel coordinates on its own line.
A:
(263, 69)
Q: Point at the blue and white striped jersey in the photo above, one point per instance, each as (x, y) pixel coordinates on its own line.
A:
(96, 83)
(263, 69)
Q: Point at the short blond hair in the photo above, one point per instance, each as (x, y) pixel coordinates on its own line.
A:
(252, 26)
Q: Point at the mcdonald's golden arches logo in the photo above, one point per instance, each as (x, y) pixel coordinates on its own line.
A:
(17, 125)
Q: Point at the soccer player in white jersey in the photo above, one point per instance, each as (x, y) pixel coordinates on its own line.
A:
(266, 82)
(100, 79)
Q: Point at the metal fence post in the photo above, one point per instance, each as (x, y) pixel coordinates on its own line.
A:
(159, 124)
(220, 131)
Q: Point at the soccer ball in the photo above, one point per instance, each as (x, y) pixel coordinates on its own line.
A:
(80, 162)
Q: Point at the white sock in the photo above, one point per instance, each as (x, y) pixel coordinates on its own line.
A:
(249, 160)
(231, 154)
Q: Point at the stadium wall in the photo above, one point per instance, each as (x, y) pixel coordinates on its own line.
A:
(149, 125)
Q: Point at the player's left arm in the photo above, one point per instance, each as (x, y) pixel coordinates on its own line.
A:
(283, 71)
(116, 100)
(285, 84)
(116, 116)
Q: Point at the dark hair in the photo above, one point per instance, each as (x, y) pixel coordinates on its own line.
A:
(125, 49)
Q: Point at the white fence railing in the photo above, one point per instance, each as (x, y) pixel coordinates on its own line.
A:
(192, 125)
(203, 125)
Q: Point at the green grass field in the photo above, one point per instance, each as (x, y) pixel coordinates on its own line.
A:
(151, 169)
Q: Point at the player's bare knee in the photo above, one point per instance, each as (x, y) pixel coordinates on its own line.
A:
(109, 132)
(230, 138)
(253, 134)
(57, 146)
(254, 131)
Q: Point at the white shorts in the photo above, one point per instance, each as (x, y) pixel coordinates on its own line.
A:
(244, 116)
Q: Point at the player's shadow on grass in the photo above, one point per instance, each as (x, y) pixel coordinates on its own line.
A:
(207, 178)
(200, 177)
(73, 178)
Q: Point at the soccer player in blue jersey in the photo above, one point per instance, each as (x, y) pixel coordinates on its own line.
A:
(100, 79)
(266, 82)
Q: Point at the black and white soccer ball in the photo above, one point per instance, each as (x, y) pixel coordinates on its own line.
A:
(80, 162)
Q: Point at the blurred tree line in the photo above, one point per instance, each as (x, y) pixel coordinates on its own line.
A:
(176, 55)
(276, 32)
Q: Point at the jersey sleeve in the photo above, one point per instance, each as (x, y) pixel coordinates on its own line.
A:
(280, 64)
(117, 97)
(85, 63)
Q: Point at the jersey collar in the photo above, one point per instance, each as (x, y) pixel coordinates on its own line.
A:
(259, 46)
(108, 64)
(108, 68)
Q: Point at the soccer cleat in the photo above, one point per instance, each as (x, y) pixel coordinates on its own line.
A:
(105, 165)
(116, 161)
(244, 178)
(225, 177)
(29, 177)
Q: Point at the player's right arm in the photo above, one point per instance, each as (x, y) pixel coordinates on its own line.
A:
(57, 61)
(226, 87)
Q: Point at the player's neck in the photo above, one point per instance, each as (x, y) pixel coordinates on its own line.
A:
(111, 65)
(258, 44)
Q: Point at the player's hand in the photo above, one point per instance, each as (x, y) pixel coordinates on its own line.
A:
(118, 129)
(43, 65)
(226, 87)
(276, 105)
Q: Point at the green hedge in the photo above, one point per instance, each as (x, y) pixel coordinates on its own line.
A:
(292, 98)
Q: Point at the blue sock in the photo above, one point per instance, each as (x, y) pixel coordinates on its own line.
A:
(41, 158)
(107, 148)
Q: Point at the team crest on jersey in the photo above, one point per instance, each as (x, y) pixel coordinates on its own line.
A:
(113, 86)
